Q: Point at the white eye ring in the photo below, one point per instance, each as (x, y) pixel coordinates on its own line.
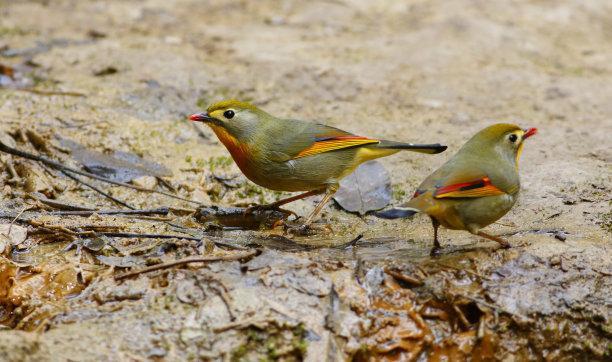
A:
(512, 138)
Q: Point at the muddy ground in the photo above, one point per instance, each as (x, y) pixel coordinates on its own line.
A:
(123, 75)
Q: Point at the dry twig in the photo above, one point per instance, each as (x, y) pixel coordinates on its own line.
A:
(158, 211)
(55, 203)
(188, 260)
(101, 192)
(405, 278)
(61, 167)
(50, 93)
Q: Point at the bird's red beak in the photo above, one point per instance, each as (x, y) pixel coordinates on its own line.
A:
(200, 117)
(529, 132)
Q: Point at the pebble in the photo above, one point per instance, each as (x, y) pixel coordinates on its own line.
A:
(148, 182)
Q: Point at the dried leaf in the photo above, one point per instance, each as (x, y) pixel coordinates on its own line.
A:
(11, 235)
(120, 166)
(366, 189)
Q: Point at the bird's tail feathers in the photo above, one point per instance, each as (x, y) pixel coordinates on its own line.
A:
(396, 213)
(423, 148)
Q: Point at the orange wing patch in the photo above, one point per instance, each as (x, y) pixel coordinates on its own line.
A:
(335, 143)
(479, 188)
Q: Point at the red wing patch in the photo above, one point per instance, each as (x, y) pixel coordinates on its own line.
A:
(327, 144)
(478, 188)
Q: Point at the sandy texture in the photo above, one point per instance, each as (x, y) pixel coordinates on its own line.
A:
(422, 71)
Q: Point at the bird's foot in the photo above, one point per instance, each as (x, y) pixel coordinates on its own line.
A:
(504, 244)
(436, 251)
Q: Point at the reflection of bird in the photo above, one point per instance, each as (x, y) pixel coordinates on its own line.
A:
(476, 187)
(290, 155)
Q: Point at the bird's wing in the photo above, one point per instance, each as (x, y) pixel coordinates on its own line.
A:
(327, 144)
(307, 139)
(462, 179)
(478, 187)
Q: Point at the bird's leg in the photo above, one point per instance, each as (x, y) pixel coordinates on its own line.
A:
(305, 228)
(329, 192)
(435, 251)
(296, 197)
(504, 244)
(276, 205)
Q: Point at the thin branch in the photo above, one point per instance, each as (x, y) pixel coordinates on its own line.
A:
(158, 211)
(62, 167)
(55, 203)
(50, 93)
(188, 260)
(15, 219)
(348, 244)
(11, 168)
(31, 215)
(405, 278)
(104, 193)
(143, 236)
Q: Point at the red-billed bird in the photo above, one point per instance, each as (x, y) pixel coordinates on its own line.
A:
(475, 188)
(291, 155)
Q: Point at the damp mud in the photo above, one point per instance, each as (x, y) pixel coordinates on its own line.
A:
(124, 231)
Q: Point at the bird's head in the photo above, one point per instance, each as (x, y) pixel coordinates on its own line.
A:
(238, 118)
(505, 139)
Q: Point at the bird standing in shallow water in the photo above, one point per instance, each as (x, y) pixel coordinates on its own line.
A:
(473, 189)
(292, 155)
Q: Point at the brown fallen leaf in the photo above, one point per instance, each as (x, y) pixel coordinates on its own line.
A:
(10, 236)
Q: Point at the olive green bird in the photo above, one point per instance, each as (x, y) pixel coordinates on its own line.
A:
(291, 155)
(474, 188)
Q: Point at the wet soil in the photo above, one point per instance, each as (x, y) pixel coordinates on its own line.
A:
(119, 78)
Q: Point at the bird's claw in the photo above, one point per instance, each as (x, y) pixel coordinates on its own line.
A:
(435, 252)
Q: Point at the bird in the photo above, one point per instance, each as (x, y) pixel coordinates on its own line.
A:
(294, 155)
(475, 187)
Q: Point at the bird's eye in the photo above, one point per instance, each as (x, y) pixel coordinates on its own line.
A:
(513, 138)
(229, 114)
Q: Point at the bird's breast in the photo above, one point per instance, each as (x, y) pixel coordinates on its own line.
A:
(241, 153)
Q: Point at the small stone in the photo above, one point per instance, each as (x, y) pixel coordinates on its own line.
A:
(94, 244)
(174, 40)
(430, 103)
(555, 260)
(6, 139)
(148, 182)
(198, 195)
